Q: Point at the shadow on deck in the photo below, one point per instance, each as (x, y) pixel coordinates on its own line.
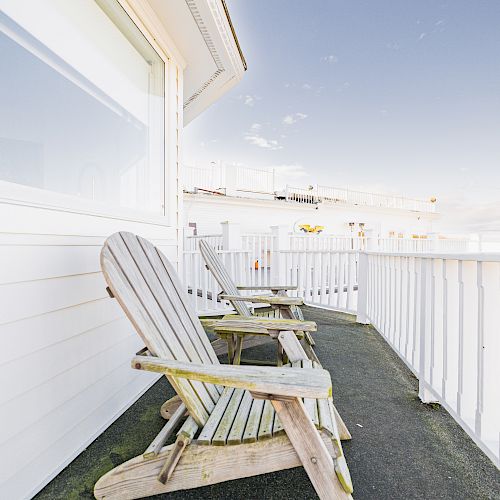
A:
(400, 449)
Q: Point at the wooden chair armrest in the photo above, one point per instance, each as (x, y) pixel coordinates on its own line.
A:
(266, 299)
(267, 287)
(280, 381)
(241, 322)
(209, 324)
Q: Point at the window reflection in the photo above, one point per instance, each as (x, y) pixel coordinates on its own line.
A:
(95, 133)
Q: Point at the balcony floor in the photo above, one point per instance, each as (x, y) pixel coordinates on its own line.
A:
(400, 449)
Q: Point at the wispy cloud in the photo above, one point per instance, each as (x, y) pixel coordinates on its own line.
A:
(248, 100)
(331, 58)
(255, 126)
(294, 118)
(307, 86)
(393, 45)
(422, 36)
(258, 140)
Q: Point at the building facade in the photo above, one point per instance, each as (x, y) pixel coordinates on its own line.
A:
(94, 97)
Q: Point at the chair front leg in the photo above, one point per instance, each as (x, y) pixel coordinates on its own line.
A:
(230, 348)
(328, 480)
(237, 349)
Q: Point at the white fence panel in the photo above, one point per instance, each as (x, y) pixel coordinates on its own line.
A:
(224, 177)
(261, 250)
(323, 278)
(326, 242)
(202, 287)
(439, 313)
(191, 242)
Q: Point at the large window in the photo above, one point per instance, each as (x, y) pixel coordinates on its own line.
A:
(81, 103)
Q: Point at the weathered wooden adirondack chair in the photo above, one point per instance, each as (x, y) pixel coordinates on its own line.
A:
(283, 305)
(243, 420)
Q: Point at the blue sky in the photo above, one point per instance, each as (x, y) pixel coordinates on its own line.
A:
(394, 96)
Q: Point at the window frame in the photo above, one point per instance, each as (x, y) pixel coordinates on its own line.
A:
(20, 194)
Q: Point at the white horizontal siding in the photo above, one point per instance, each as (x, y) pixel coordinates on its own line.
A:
(108, 404)
(65, 345)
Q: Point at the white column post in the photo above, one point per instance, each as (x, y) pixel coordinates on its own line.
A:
(186, 233)
(231, 236)
(362, 308)
(370, 243)
(281, 241)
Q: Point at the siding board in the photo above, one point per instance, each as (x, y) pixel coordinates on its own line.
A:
(31, 298)
(68, 354)
(18, 413)
(23, 337)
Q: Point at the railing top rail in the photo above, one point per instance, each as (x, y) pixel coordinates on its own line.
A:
(327, 235)
(482, 257)
(204, 236)
(192, 252)
(305, 250)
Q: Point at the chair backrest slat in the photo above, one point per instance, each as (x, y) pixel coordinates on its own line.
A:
(146, 286)
(217, 268)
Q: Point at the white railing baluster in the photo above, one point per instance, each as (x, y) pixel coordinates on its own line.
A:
(415, 309)
(432, 320)
(480, 352)
(461, 313)
(445, 331)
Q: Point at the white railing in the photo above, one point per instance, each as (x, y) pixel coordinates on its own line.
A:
(439, 313)
(260, 248)
(323, 278)
(301, 195)
(209, 178)
(348, 196)
(326, 242)
(191, 241)
(250, 179)
(228, 178)
(203, 289)
(354, 242)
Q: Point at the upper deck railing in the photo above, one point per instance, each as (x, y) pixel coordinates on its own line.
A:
(228, 179)
(250, 182)
(319, 194)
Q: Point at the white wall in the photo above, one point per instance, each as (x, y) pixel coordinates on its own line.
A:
(256, 216)
(66, 346)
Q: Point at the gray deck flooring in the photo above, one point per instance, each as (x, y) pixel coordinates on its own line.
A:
(401, 448)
